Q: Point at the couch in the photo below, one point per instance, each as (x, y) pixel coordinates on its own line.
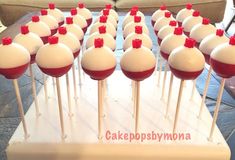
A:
(11, 10)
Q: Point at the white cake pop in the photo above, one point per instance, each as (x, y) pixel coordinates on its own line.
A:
(70, 40)
(158, 14)
(56, 13)
(172, 41)
(40, 28)
(130, 17)
(105, 12)
(98, 61)
(138, 34)
(138, 13)
(191, 21)
(85, 13)
(103, 21)
(109, 41)
(30, 41)
(130, 27)
(163, 21)
(79, 20)
(75, 29)
(201, 30)
(184, 13)
(211, 42)
(112, 12)
(54, 59)
(166, 30)
(14, 59)
(49, 20)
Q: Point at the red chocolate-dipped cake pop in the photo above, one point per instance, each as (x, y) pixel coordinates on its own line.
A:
(105, 12)
(211, 42)
(184, 13)
(70, 40)
(85, 13)
(163, 21)
(49, 20)
(171, 42)
(79, 20)
(166, 30)
(186, 62)
(73, 28)
(40, 28)
(112, 12)
(98, 61)
(158, 14)
(130, 17)
(14, 59)
(201, 30)
(145, 39)
(30, 41)
(223, 59)
(191, 21)
(138, 62)
(109, 41)
(130, 27)
(56, 13)
(54, 59)
(103, 21)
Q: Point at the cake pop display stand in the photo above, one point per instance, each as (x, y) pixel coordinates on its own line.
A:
(82, 130)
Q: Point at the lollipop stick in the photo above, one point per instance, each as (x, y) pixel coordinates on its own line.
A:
(137, 106)
(20, 108)
(74, 83)
(217, 108)
(45, 87)
(205, 91)
(159, 72)
(193, 90)
(134, 97)
(79, 71)
(133, 90)
(63, 136)
(156, 64)
(164, 82)
(53, 82)
(34, 90)
(68, 94)
(100, 109)
(178, 105)
(104, 88)
(169, 95)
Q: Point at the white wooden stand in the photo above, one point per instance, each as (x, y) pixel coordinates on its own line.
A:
(81, 129)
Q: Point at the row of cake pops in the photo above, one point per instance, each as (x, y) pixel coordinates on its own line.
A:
(29, 45)
(186, 63)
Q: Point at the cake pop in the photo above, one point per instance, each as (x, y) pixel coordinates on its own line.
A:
(40, 28)
(56, 13)
(55, 59)
(223, 63)
(109, 41)
(163, 21)
(112, 11)
(103, 21)
(49, 20)
(201, 30)
(79, 20)
(168, 44)
(105, 12)
(166, 30)
(158, 14)
(130, 17)
(32, 43)
(137, 63)
(184, 13)
(75, 29)
(14, 61)
(191, 21)
(186, 62)
(85, 13)
(146, 40)
(99, 62)
(130, 27)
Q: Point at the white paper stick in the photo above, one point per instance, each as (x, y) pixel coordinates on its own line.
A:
(100, 110)
(164, 81)
(169, 95)
(137, 106)
(69, 95)
(74, 83)
(193, 89)
(45, 87)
